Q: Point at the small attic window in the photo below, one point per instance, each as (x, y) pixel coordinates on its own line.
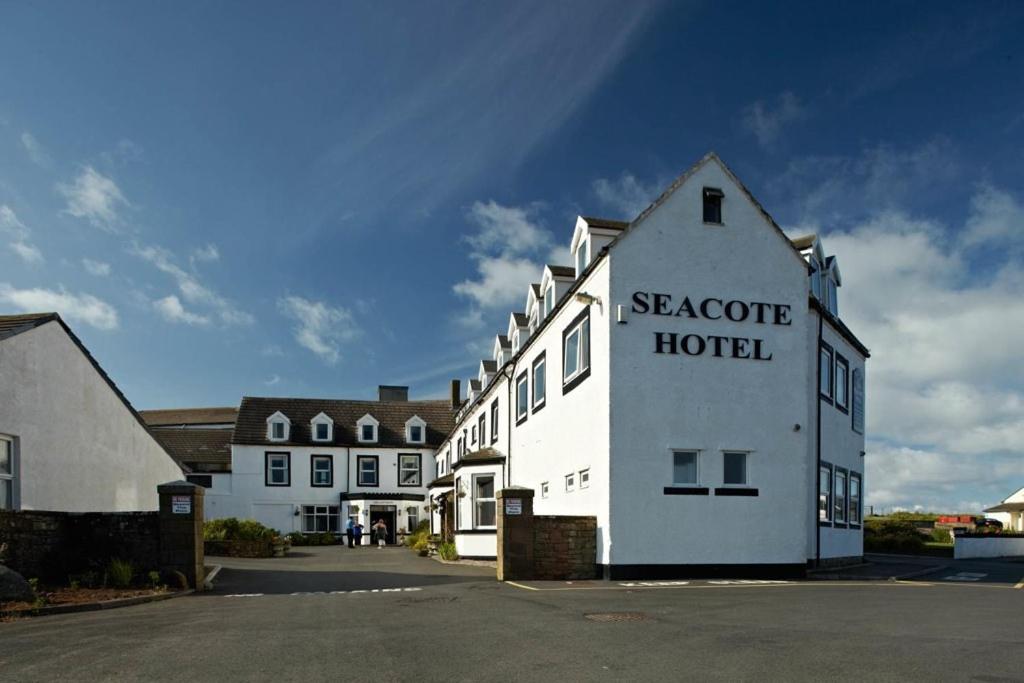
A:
(368, 433)
(366, 429)
(277, 430)
(415, 430)
(581, 258)
(713, 205)
(278, 427)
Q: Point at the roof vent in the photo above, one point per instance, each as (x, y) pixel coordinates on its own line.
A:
(390, 393)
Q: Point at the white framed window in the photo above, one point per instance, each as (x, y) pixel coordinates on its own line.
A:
(576, 351)
(570, 481)
(278, 427)
(515, 341)
(366, 429)
(367, 470)
(825, 371)
(842, 383)
(6, 473)
(549, 300)
(855, 498)
(415, 430)
(481, 423)
(544, 488)
(825, 493)
(278, 469)
(494, 421)
(833, 297)
(412, 518)
(484, 510)
(320, 519)
(322, 427)
(539, 381)
(581, 257)
(684, 468)
(409, 469)
(734, 468)
(585, 478)
(839, 495)
(321, 470)
(472, 436)
(522, 397)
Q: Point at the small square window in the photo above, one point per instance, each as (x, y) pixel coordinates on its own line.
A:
(368, 433)
(278, 430)
(416, 433)
(367, 473)
(322, 470)
(735, 468)
(544, 490)
(322, 431)
(585, 479)
(713, 205)
(570, 482)
(684, 468)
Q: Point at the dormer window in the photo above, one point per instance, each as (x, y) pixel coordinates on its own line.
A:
(581, 258)
(322, 428)
(278, 427)
(549, 297)
(515, 342)
(415, 430)
(366, 429)
(713, 205)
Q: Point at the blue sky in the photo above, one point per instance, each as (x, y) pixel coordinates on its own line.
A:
(227, 199)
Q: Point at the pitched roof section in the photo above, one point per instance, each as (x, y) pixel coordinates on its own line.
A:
(606, 223)
(490, 365)
(521, 319)
(251, 427)
(11, 325)
(804, 241)
(562, 271)
(197, 446)
(505, 343)
(189, 416)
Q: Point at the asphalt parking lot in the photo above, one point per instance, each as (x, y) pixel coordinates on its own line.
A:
(444, 622)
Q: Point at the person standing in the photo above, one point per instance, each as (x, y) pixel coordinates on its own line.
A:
(348, 532)
(357, 533)
(380, 532)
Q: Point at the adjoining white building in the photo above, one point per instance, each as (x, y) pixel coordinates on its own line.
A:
(69, 439)
(310, 464)
(199, 440)
(688, 381)
(1010, 512)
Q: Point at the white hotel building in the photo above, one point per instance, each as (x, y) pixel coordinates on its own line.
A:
(688, 382)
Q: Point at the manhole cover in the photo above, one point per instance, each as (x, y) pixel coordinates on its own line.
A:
(616, 616)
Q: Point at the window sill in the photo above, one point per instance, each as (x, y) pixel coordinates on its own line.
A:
(522, 419)
(841, 409)
(686, 491)
(322, 486)
(574, 382)
(822, 522)
(736, 491)
(539, 406)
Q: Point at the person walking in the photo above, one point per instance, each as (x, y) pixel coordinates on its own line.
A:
(380, 532)
(348, 532)
(357, 533)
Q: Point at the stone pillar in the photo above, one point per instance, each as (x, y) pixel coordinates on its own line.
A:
(515, 533)
(181, 530)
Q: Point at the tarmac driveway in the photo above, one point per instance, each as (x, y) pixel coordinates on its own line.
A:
(337, 568)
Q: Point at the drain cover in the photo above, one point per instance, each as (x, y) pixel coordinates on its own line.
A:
(616, 616)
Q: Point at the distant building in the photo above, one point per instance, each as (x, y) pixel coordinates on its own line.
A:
(69, 439)
(1010, 512)
(199, 439)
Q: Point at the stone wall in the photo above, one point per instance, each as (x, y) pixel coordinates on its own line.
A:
(53, 545)
(564, 547)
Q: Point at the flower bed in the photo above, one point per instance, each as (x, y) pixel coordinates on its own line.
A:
(258, 548)
(48, 598)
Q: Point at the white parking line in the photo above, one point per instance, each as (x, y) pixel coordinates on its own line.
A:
(965, 576)
(353, 592)
(653, 584)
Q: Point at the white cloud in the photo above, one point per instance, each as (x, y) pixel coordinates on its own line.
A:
(996, 218)
(20, 236)
(766, 123)
(273, 380)
(191, 288)
(83, 308)
(206, 254)
(626, 195)
(505, 229)
(34, 150)
(94, 197)
(501, 281)
(321, 328)
(97, 268)
(171, 309)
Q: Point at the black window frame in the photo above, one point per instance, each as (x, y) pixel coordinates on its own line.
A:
(579, 377)
(312, 470)
(824, 347)
(494, 421)
(481, 428)
(843, 406)
(359, 470)
(419, 469)
(712, 198)
(266, 467)
(542, 358)
(845, 507)
(472, 436)
(850, 476)
(831, 493)
(523, 377)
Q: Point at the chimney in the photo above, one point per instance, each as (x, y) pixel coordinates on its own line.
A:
(456, 394)
(389, 393)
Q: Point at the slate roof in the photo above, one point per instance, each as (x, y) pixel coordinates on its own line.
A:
(562, 271)
(443, 480)
(474, 384)
(205, 446)
(189, 416)
(521, 319)
(490, 365)
(505, 343)
(11, 325)
(608, 223)
(251, 427)
(535, 286)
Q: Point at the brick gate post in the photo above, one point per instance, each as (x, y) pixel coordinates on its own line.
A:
(515, 533)
(181, 530)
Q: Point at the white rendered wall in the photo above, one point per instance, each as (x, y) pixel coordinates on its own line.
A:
(476, 545)
(966, 548)
(662, 402)
(79, 448)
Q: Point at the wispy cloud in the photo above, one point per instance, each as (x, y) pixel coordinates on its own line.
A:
(172, 311)
(766, 121)
(83, 308)
(97, 268)
(205, 254)
(626, 196)
(273, 380)
(20, 236)
(320, 327)
(94, 197)
(34, 150)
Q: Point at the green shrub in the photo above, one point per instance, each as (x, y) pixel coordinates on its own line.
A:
(327, 538)
(154, 579)
(120, 573)
(422, 530)
(448, 552)
(941, 536)
(233, 529)
(298, 538)
(892, 536)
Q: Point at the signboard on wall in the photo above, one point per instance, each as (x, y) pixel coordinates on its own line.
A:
(181, 505)
(513, 506)
(858, 401)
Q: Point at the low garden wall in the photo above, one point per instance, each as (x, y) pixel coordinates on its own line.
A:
(51, 546)
(260, 548)
(967, 546)
(564, 547)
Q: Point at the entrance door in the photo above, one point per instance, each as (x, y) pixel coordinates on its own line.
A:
(388, 514)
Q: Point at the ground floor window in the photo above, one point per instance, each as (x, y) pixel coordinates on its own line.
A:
(839, 494)
(413, 513)
(320, 519)
(825, 494)
(6, 473)
(483, 500)
(855, 496)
